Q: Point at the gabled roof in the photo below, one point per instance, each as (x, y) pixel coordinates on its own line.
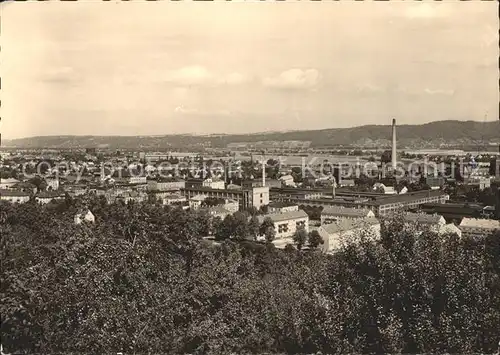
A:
(279, 217)
(198, 198)
(423, 218)
(480, 223)
(218, 209)
(349, 224)
(50, 194)
(345, 211)
(9, 181)
(13, 193)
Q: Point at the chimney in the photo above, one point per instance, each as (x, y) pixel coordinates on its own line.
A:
(333, 189)
(393, 155)
(263, 172)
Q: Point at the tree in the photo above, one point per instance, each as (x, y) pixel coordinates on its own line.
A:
(270, 234)
(39, 183)
(226, 229)
(300, 237)
(241, 230)
(315, 239)
(267, 222)
(253, 227)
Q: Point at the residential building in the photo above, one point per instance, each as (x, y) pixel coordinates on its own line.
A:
(84, 216)
(24, 187)
(346, 231)
(174, 199)
(333, 214)
(423, 218)
(477, 228)
(282, 207)
(285, 224)
(8, 183)
(129, 196)
(218, 211)
(52, 184)
(14, 196)
(196, 201)
(48, 196)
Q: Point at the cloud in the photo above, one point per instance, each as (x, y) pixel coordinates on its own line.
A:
(447, 92)
(198, 75)
(61, 75)
(293, 79)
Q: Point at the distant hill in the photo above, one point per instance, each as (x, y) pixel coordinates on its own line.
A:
(432, 134)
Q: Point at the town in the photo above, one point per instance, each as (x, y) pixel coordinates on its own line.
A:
(332, 197)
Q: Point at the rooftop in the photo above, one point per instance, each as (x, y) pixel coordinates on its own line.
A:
(480, 223)
(277, 217)
(280, 204)
(9, 181)
(13, 193)
(349, 224)
(423, 218)
(345, 211)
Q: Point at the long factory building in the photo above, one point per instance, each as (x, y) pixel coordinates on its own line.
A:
(380, 204)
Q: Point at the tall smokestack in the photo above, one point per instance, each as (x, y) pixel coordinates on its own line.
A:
(263, 171)
(393, 155)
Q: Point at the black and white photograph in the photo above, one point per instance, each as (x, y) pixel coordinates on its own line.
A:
(249, 177)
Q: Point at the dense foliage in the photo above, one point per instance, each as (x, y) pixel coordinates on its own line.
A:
(142, 280)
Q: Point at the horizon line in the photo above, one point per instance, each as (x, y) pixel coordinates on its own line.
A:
(208, 135)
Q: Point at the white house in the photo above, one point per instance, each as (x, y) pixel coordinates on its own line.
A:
(476, 228)
(14, 196)
(86, 216)
(285, 224)
(333, 214)
(345, 231)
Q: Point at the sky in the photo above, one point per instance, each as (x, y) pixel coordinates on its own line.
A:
(151, 68)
